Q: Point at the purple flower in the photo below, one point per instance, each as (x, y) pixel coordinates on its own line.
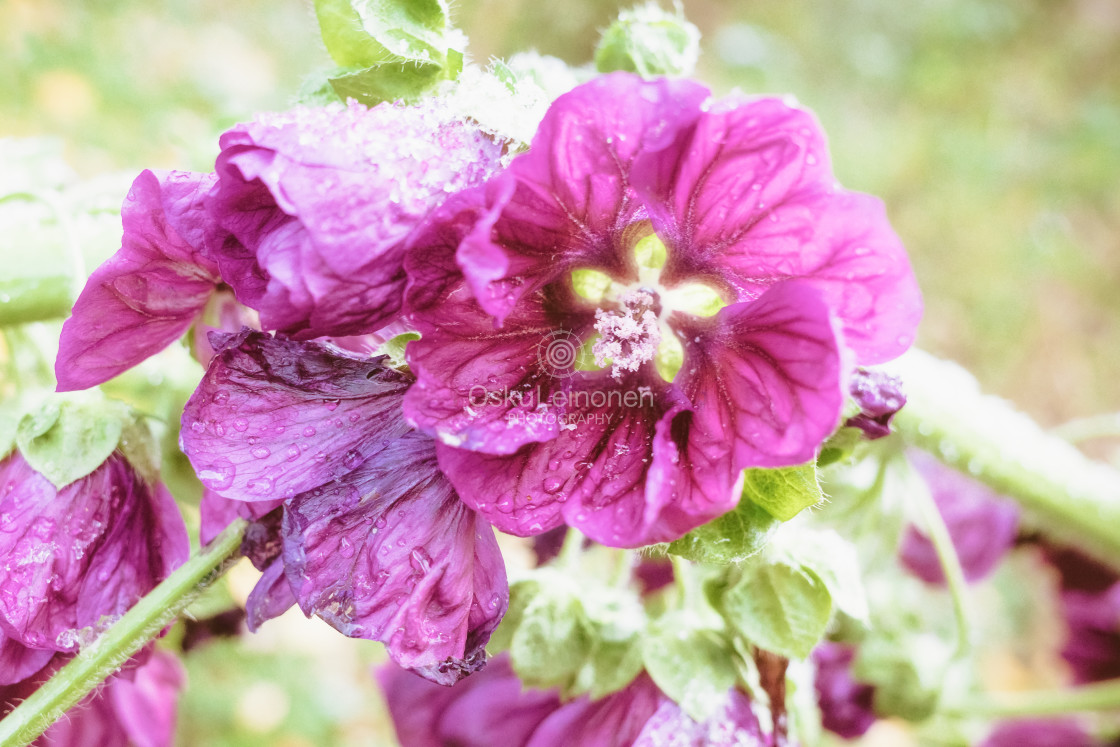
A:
(318, 204)
(846, 705)
(981, 524)
(149, 293)
(374, 539)
(702, 254)
(77, 557)
(1040, 733)
(19, 662)
(879, 397)
(135, 708)
(493, 707)
(1092, 647)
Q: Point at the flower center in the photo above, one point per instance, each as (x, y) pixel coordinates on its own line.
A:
(635, 329)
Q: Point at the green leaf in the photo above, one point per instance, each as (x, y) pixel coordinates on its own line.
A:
(649, 41)
(731, 538)
(393, 81)
(839, 446)
(521, 593)
(66, 439)
(551, 643)
(784, 492)
(835, 562)
(615, 620)
(395, 347)
(779, 607)
(691, 664)
(365, 33)
(139, 446)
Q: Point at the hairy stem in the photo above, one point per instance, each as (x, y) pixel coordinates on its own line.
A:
(1066, 495)
(116, 645)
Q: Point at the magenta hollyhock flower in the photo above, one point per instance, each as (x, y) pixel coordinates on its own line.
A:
(79, 556)
(317, 205)
(1054, 732)
(703, 255)
(846, 705)
(149, 293)
(982, 524)
(493, 707)
(374, 539)
(879, 396)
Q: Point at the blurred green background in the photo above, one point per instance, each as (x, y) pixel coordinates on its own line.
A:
(991, 129)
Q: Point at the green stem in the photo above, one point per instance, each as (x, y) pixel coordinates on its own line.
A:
(1106, 425)
(571, 551)
(1067, 495)
(1101, 696)
(116, 645)
(950, 566)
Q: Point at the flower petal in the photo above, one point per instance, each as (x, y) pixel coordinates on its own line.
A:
(271, 597)
(732, 725)
(146, 295)
(18, 662)
(567, 202)
(320, 204)
(390, 553)
(613, 721)
(273, 418)
(79, 555)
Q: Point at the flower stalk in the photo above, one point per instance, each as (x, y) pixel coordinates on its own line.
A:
(1074, 499)
(116, 645)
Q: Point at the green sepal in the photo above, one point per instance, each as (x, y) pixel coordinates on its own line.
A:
(67, 438)
(393, 81)
(395, 349)
(731, 538)
(783, 492)
(839, 446)
(649, 41)
(779, 607)
(691, 663)
(364, 33)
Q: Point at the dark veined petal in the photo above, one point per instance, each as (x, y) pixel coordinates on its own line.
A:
(750, 201)
(217, 512)
(18, 662)
(390, 553)
(271, 597)
(149, 293)
(319, 204)
(273, 418)
(567, 202)
(488, 708)
(78, 557)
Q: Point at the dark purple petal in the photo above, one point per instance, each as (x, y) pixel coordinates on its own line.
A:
(319, 204)
(488, 708)
(732, 725)
(18, 662)
(846, 705)
(390, 553)
(879, 396)
(1092, 647)
(271, 597)
(1040, 733)
(981, 524)
(765, 379)
(149, 293)
(750, 201)
(567, 202)
(613, 721)
(78, 557)
(217, 512)
(273, 418)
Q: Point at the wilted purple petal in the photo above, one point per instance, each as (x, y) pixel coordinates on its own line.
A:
(613, 721)
(879, 396)
(148, 294)
(18, 662)
(488, 708)
(981, 524)
(1040, 733)
(320, 203)
(732, 725)
(217, 512)
(81, 555)
(273, 418)
(270, 598)
(846, 705)
(566, 202)
(390, 553)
